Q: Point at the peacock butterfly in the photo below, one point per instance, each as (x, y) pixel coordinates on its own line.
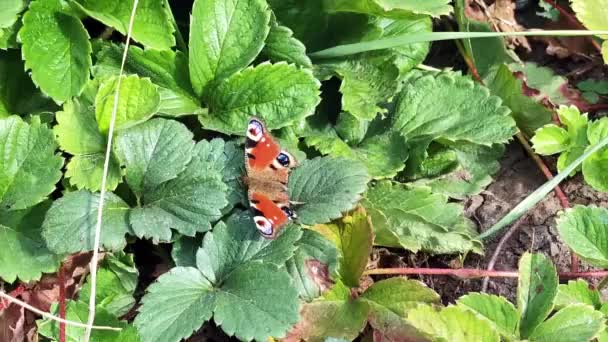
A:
(267, 173)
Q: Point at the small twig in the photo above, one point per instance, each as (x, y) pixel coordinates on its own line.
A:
(61, 303)
(469, 273)
(52, 317)
(499, 247)
(104, 179)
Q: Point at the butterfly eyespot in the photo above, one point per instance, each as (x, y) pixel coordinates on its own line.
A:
(289, 212)
(263, 225)
(283, 159)
(255, 130)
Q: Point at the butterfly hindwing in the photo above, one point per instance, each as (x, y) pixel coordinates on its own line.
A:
(267, 172)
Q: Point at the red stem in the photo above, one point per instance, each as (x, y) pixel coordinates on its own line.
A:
(61, 304)
(477, 273)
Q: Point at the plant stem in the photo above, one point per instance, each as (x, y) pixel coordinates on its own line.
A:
(470, 273)
(61, 277)
(501, 244)
(181, 43)
(386, 43)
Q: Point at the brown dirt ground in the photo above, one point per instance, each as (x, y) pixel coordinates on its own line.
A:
(517, 178)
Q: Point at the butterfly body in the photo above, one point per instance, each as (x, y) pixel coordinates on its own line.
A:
(268, 169)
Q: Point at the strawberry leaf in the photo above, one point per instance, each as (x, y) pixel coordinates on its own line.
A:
(354, 239)
(187, 203)
(23, 253)
(55, 40)
(326, 187)
(584, 230)
(416, 219)
(176, 305)
(77, 134)
(280, 94)
(184, 250)
(390, 8)
(577, 292)
(227, 285)
(77, 311)
(452, 324)
(501, 314)
(9, 10)
(69, 225)
(116, 283)
(167, 69)
(225, 37)
(536, 290)
(18, 94)
(281, 46)
(153, 153)
(138, 101)
(594, 167)
(550, 139)
(576, 322)
(399, 294)
(313, 264)
(29, 166)
(221, 252)
(151, 25)
(453, 108)
(383, 155)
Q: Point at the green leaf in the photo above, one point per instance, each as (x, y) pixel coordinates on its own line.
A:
(116, 283)
(175, 306)
(243, 307)
(399, 294)
(18, 95)
(77, 134)
(8, 36)
(55, 40)
(477, 165)
(78, 311)
(549, 86)
(29, 166)
(9, 10)
(23, 253)
(501, 314)
(332, 318)
(165, 68)
(354, 241)
(365, 86)
(576, 125)
(223, 251)
(585, 230)
(281, 46)
(577, 292)
(326, 187)
(454, 108)
(594, 166)
(151, 26)
(313, 264)
(184, 250)
(138, 101)
(279, 94)
(550, 139)
(187, 299)
(576, 322)
(595, 86)
(591, 13)
(69, 225)
(527, 112)
(383, 155)
(536, 289)
(225, 37)
(188, 203)
(153, 153)
(391, 8)
(416, 219)
(454, 324)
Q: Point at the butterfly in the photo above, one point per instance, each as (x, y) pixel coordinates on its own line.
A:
(268, 169)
